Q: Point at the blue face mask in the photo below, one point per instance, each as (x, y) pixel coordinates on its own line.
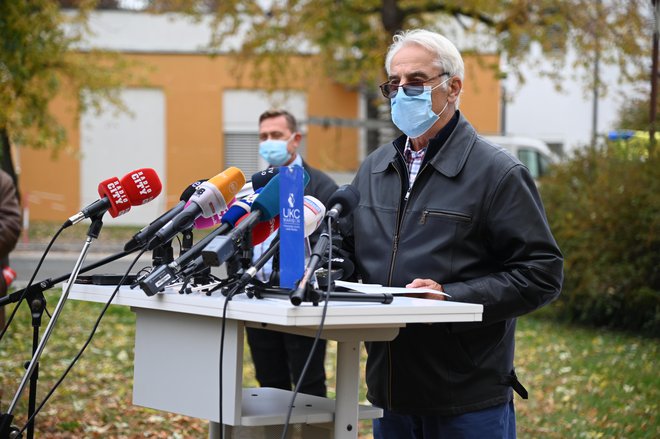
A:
(275, 152)
(414, 114)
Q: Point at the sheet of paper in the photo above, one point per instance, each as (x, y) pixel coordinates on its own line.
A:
(376, 288)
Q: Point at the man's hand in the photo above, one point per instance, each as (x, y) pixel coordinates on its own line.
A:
(426, 283)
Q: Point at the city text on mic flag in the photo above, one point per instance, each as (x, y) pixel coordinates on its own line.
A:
(292, 233)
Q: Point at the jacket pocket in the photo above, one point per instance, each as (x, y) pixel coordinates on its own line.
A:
(446, 215)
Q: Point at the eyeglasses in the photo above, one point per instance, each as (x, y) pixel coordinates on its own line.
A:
(414, 88)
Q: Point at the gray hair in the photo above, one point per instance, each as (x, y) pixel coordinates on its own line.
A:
(448, 58)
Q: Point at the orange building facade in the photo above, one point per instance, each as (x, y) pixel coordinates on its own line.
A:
(193, 118)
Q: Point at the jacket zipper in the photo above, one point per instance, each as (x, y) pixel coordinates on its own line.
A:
(389, 278)
(444, 214)
(400, 221)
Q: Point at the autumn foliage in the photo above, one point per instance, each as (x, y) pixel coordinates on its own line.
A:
(604, 209)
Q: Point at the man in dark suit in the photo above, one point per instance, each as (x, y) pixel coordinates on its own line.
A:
(278, 357)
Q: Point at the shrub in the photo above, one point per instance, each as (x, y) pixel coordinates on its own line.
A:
(603, 205)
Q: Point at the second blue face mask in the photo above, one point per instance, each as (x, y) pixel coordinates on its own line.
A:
(275, 152)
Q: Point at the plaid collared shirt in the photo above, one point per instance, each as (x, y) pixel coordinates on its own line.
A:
(414, 161)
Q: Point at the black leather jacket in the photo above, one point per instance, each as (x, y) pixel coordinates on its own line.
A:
(474, 222)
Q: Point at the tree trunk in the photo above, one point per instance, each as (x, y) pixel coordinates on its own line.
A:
(392, 18)
(654, 76)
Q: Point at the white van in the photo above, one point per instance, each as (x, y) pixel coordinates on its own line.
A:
(533, 153)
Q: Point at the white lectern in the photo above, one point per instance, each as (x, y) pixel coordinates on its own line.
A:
(177, 345)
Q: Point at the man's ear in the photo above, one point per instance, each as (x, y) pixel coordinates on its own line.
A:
(297, 138)
(455, 88)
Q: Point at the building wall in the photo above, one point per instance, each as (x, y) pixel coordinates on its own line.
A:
(481, 95)
(193, 87)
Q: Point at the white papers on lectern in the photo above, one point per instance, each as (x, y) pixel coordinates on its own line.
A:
(379, 289)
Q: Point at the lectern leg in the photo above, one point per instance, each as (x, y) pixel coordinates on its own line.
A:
(348, 380)
(215, 429)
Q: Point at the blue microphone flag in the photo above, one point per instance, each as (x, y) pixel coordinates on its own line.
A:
(292, 226)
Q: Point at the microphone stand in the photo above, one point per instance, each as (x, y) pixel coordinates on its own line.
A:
(35, 292)
(37, 303)
(31, 373)
(250, 272)
(199, 277)
(162, 255)
(186, 240)
(305, 292)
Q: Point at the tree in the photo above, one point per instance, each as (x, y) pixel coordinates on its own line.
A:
(39, 59)
(351, 37)
(634, 114)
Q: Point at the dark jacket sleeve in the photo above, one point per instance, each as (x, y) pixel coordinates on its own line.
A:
(10, 215)
(519, 238)
(345, 228)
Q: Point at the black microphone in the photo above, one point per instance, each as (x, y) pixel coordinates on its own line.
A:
(261, 178)
(141, 238)
(343, 201)
(258, 180)
(340, 267)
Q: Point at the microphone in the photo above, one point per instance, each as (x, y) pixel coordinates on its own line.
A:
(257, 182)
(160, 277)
(343, 201)
(265, 207)
(314, 211)
(117, 196)
(142, 237)
(262, 230)
(261, 178)
(212, 221)
(141, 185)
(210, 198)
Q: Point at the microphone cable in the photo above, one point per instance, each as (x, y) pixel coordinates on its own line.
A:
(228, 298)
(221, 357)
(317, 337)
(34, 274)
(82, 349)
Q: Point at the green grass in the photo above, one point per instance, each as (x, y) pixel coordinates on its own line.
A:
(586, 383)
(583, 383)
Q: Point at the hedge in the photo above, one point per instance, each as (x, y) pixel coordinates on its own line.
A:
(603, 205)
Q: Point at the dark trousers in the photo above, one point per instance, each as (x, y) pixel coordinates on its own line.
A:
(279, 359)
(497, 422)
